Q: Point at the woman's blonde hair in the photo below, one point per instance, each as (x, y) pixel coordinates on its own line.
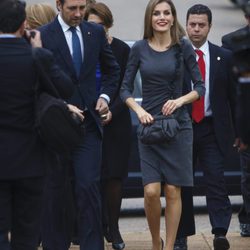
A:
(39, 14)
(176, 30)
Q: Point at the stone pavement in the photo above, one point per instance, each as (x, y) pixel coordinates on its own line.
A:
(201, 241)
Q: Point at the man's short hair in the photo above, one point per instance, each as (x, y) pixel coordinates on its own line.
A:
(12, 15)
(200, 9)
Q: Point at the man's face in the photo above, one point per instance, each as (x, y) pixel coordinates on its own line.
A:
(72, 11)
(197, 28)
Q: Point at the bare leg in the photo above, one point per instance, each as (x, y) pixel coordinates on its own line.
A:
(152, 205)
(172, 213)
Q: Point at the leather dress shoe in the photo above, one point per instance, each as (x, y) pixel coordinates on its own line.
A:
(244, 230)
(180, 244)
(221, 242)
(118, 246)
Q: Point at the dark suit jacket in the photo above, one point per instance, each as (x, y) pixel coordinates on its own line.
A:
(96, 49)
(227, 39)
(243, 114)
(21, 152)
(222, 95)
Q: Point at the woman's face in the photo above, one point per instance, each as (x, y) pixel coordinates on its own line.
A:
(162, 18)
(96, 19)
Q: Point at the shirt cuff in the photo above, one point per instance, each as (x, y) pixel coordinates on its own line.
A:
(106, 97)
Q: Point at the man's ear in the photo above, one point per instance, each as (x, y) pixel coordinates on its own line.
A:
(21, 30)
(58, 5)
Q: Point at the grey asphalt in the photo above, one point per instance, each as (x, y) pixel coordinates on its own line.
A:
(136, 235)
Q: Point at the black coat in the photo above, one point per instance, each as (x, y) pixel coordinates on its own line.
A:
(243, 93)
(117, 134)
(21, 152)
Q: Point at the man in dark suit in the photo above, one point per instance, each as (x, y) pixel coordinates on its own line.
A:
(59, 37)
(244, 213)
(23, 157)
(212, 126)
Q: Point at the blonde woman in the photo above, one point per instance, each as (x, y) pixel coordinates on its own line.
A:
(39, 14)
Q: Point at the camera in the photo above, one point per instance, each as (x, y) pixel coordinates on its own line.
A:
(29, 34)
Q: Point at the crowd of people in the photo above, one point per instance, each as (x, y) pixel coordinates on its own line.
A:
(54, 200)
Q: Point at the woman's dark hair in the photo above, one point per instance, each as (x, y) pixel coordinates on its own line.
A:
(200, 9)
(12, 15)
(102, 11)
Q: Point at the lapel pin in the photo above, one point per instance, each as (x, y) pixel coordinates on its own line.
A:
(88, 33)
(218, 58)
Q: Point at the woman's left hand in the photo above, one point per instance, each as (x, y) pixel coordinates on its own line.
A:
(170, 106)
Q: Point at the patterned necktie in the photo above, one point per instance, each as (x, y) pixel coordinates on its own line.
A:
(198, 110)
(77, 52)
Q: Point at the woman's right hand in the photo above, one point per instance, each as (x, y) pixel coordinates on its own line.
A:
(144, 117)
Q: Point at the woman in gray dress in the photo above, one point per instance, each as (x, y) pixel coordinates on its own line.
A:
(161, 57)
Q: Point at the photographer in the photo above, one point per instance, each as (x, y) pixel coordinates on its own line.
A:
(24, 159)
(239, 42)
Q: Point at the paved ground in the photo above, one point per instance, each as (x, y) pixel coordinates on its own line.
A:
(136, 235)
(135, 232)
(201, 241)
(141, 241)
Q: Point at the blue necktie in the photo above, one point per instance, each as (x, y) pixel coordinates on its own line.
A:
(77, 53)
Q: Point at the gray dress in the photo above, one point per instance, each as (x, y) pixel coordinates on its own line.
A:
(162, 79)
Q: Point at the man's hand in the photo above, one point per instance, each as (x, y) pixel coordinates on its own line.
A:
(102, 107)
(107, 118)
(240, 145)
(34, 37)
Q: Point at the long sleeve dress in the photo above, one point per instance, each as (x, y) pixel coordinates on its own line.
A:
(162, 75)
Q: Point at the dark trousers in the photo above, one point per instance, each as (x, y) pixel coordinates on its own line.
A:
(244, 214)
(87, 170)
(20, 212)
(211, 160)
(58, 206)
(187, 224)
